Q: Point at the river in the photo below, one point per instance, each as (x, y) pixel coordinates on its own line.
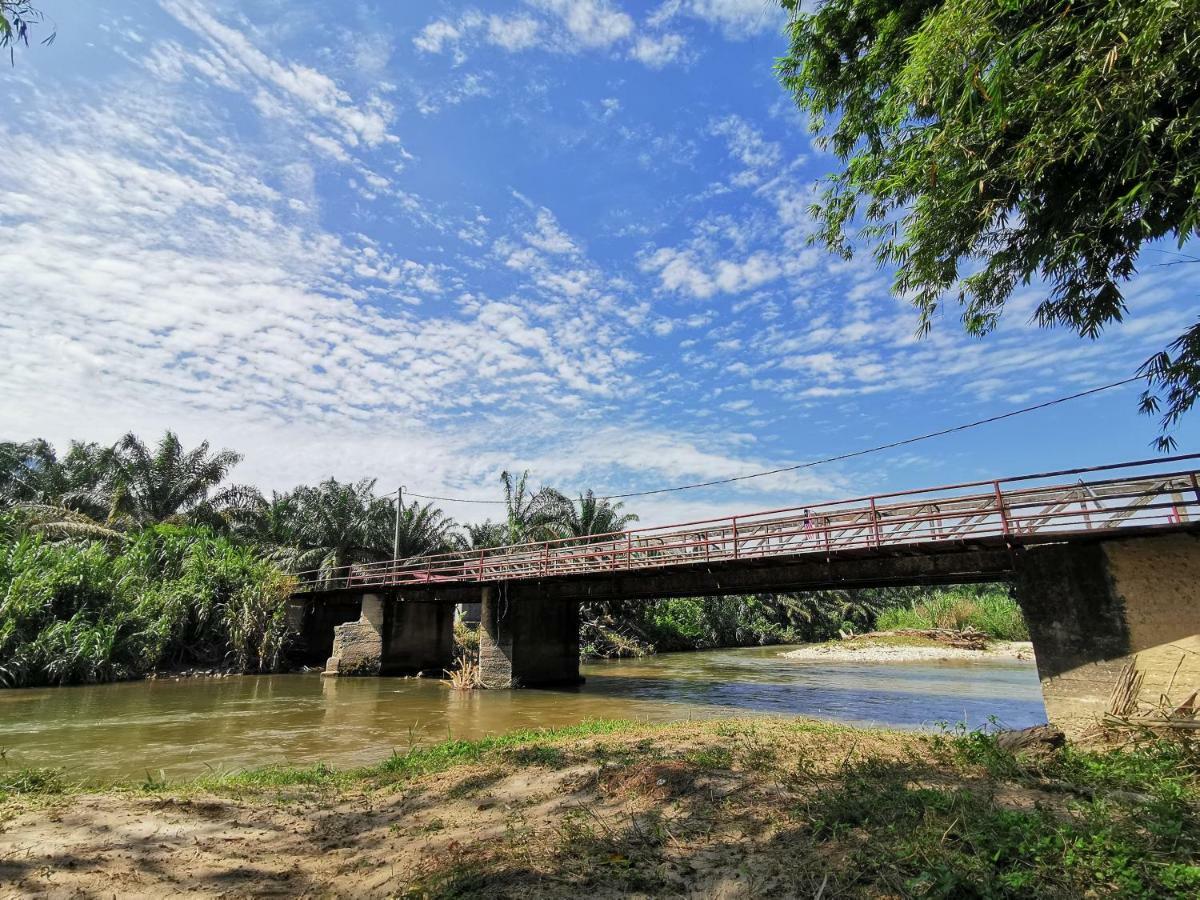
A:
(188, 727)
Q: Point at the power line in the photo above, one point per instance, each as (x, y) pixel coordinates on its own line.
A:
(829, 459)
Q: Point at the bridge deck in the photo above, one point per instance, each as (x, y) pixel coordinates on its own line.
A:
(1135, 497)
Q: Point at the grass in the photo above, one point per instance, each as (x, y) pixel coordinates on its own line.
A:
(989, 610)
(517, 748)
(24, 782)
(1103, 823)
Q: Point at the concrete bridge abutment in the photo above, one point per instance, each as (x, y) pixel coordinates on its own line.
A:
(1093, 608)
(394, 636)
(527, 639)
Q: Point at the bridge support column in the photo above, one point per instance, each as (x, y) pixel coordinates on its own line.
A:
(526, 640)
(1092, 608)
(358, 645)
(418, 637)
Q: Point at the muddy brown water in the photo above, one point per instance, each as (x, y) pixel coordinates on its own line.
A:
(186, 727)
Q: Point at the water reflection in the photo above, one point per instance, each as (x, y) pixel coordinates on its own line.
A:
(187, 727)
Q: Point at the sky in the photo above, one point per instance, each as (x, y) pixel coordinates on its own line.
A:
(425, 242)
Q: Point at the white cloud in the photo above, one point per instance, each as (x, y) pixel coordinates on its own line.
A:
(658, 51)
(738, 18)
(681, 270)
(747, 145)
(328, 146)
(436, 37)
(678, 270)
(280, 89)
(173, 285)
(591, 23)
(452, 92)
(559, 26)
(515, 33)
(548, 236)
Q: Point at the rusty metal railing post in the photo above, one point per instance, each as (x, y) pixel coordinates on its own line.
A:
(481, 553)
(1000, 507)
(735, 538)
(875, 523)
(629, 550)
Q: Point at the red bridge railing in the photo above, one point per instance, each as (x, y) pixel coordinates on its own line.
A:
(1145, 494)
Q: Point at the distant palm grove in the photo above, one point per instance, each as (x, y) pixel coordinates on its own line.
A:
(117, 561)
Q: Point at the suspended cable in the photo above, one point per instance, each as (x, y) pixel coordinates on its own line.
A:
(830, 459)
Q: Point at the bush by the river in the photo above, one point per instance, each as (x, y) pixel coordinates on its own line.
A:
(986, 608)
(700, 623)
(743, 620)
(167, 596)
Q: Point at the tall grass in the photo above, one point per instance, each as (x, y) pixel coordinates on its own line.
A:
(988, 609)
(82, 611)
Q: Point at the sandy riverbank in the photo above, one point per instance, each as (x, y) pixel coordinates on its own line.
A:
(866, 650)
(739, 808)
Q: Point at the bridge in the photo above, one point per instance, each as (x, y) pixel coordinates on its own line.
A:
(1105, 562)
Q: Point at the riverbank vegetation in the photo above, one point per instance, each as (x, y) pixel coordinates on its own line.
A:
(988, 609)
(119, 560)
(758, 807)
(168, 596)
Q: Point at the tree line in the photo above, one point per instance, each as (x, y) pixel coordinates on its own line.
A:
(109, 492)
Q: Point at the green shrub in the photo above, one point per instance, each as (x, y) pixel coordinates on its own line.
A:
(987, 608)
(74, 612)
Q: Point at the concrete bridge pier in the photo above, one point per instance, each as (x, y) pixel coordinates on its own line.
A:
(1094, 607)
(394, 636)
(527, 639)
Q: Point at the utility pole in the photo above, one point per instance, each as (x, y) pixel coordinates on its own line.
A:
(399, 509)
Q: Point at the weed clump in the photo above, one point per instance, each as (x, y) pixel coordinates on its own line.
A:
(31, 781)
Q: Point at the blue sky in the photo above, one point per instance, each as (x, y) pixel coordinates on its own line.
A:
(429, 241)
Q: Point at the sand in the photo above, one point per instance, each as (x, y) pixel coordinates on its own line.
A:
(875, 651)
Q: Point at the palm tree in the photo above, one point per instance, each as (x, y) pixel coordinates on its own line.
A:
(858, 607)
(592, 517)
(28, 471)
(32, 472)
(425, 530)
(486, 535)
(58, 523)
(530, 516)
(168, 484)
(329, 526)
(61, 498)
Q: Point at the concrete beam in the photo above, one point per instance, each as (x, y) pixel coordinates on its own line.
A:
(1093, 608)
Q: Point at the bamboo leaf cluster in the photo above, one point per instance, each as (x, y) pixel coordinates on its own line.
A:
(986, 145)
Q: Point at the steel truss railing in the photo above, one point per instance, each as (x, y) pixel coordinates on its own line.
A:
(1029, 507)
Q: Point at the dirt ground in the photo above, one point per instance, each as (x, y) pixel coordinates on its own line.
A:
(520, 814)
(715, 810)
